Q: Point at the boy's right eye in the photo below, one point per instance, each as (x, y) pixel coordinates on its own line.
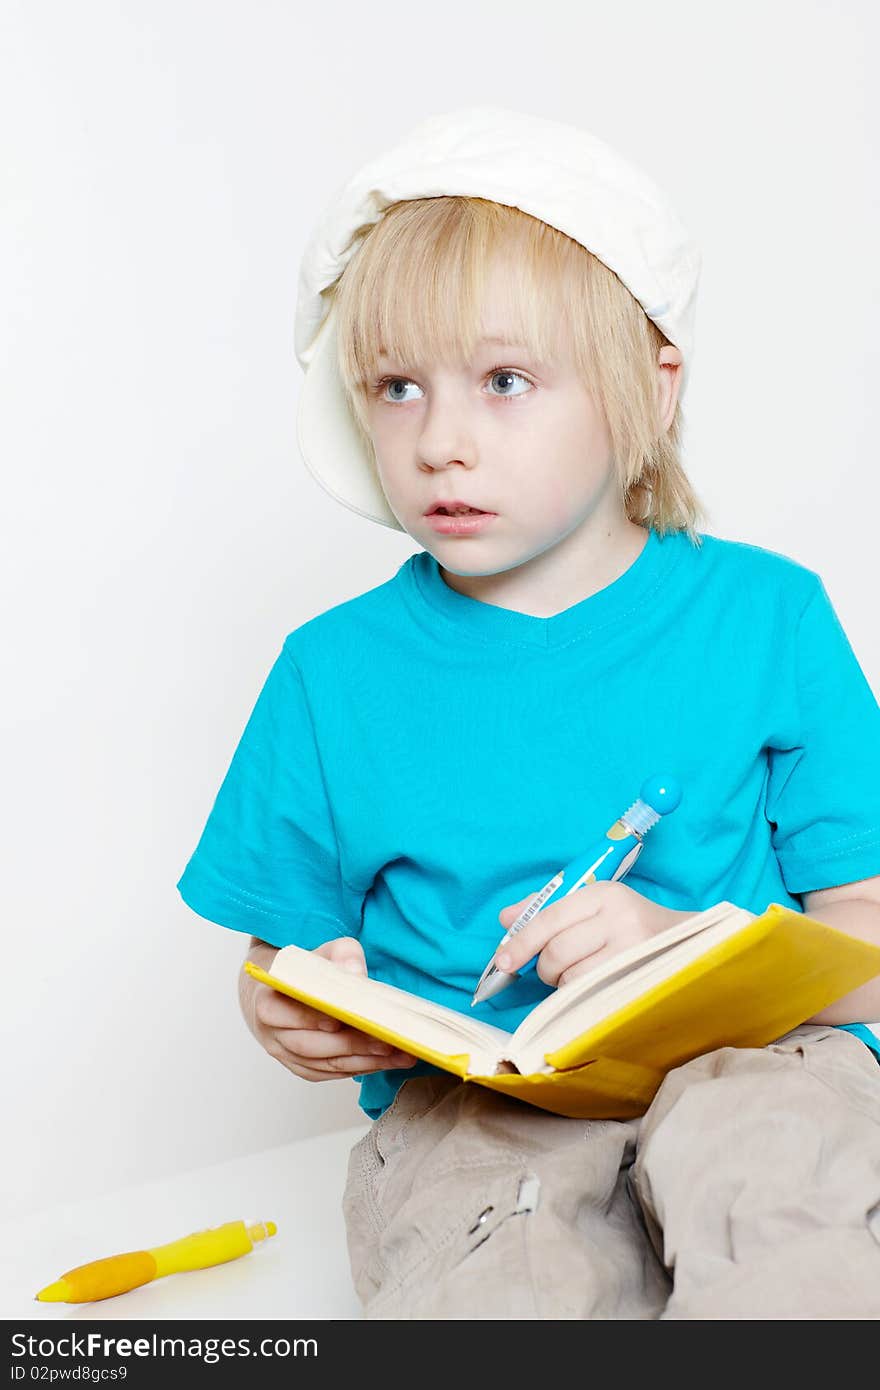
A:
(390, 381)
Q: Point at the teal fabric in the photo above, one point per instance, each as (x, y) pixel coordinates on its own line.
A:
(417, 759)
(869, 1036)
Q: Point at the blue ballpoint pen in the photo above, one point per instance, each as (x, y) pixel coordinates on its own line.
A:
(611, 858)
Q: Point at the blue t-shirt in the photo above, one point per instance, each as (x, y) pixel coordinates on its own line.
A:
(417, 759)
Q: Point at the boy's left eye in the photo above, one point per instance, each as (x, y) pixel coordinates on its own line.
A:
(510, 376)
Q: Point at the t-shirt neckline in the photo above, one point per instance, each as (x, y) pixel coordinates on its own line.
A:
(489, 623)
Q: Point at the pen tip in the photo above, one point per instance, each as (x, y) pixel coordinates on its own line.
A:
(54, 1293)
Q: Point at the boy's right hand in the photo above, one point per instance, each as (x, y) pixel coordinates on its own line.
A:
(307, 1042)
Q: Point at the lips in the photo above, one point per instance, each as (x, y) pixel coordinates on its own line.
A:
(454, 508)
(469, 523)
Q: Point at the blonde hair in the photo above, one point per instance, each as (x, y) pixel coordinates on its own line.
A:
(414, 286)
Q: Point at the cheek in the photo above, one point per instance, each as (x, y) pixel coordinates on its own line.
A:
(557, 503)
(386, 458)
(543, 491)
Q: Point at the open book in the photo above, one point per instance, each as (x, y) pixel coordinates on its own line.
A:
(599, 1046)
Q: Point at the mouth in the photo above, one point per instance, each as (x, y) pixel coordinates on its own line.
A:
(456, 509)
(458, 520)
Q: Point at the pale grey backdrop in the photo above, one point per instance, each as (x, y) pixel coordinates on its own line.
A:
(162, 167)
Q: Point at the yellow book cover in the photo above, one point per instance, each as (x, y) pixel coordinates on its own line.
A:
(599, 1046)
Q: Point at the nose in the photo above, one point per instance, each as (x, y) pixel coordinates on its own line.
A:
(445, 437)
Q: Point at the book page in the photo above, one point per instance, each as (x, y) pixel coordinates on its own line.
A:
(421, 1020)
(578, 1006)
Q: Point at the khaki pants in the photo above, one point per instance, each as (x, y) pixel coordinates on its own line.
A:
(749, 1189)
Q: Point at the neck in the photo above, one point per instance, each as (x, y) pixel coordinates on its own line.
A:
(571, 570)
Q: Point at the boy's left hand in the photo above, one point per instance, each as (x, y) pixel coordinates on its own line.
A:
(582, 930)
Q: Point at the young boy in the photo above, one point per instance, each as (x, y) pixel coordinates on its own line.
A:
(497, 315)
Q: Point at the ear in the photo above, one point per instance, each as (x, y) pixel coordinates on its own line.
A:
(669, 376)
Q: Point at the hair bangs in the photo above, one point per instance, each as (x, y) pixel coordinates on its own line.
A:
(414, 291)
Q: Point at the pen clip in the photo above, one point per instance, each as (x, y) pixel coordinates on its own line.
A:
(627, 861)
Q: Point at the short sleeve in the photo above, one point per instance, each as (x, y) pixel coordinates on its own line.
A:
(823, 793)
(267, 861)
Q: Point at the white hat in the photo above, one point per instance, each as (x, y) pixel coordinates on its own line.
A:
(562, 175)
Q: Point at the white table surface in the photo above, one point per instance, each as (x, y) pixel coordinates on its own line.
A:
(302, 1272)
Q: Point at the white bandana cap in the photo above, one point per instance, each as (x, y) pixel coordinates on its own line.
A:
(551, 170)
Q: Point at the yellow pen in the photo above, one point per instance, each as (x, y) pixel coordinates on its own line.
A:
(119, 1273)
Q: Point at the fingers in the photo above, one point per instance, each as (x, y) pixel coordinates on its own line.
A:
(509, 914)
(345, 951)
(276, 1010)
(602, 954)
(571, 953)
(346, 1053)
(346, 1069)
(314, 1045)
(548, 923)
(583, 905)
(317, 1046)
(306, 1031)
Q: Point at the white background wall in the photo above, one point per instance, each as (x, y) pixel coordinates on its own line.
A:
(163, 163)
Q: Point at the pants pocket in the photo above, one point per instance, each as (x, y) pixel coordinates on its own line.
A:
(445, 1256)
